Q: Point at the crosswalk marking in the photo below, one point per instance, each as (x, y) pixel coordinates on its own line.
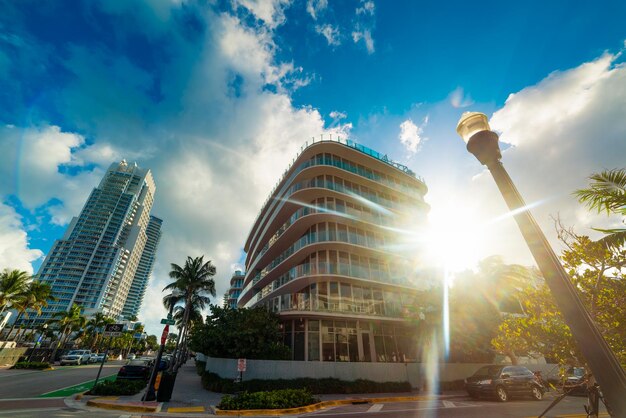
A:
(449, 404)
(376, 407)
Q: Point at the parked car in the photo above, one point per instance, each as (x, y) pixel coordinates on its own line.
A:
(138, 369)
(503, 383)
(76, 357)
(97, 358)
(131, 356)
(575, 381)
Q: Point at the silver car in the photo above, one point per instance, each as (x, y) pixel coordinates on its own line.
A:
(76, 357)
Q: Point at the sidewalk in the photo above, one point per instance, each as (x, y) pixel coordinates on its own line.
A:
(189, 395)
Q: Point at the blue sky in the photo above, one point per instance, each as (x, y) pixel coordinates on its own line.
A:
(216, 97)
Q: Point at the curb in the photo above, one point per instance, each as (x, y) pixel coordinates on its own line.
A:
(318, 406)
(102, 403)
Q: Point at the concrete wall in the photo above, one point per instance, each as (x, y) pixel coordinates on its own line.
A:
(9, 356)
(415, 373)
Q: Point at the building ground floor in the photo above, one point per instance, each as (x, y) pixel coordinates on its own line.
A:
(351, 340)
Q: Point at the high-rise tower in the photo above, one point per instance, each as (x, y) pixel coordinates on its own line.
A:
(329, 254)
(96, 262)
(144, 269)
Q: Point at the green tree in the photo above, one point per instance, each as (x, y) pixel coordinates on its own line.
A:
(479, 302)
(34, 298)
(13, 284)
(194, 283)
(67, 321)
(152, 342)
(240, 333)
(96, 327)
(607, 193)
(598, 273)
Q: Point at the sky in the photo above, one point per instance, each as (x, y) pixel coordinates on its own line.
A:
(217, 97)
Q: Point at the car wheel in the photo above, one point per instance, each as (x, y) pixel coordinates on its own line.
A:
(537, 393)
(501, 394)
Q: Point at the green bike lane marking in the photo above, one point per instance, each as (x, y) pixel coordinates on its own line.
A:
(70, 390)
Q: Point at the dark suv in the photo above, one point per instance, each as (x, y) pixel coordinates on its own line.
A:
(504, 382)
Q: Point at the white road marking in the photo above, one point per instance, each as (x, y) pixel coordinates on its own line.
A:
(449, 404)
(376, 407)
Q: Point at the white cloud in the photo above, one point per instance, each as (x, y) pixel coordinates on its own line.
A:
(367, 8)
(337, 115)
(271, 12)
(30, 164)
(458, 99)
(14, 249)
(566, 127)
(313, 7)
(331, 33)
(411, 135)
(366, 36)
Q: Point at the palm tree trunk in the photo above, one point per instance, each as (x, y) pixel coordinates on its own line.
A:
(19, 315)
(177, 363)
(56, 348)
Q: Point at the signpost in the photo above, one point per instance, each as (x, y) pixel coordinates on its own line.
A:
(241, 367)
(110, 330)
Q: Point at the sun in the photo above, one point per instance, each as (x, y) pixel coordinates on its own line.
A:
(453, 238)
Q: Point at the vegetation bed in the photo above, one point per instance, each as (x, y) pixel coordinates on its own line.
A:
(276, 399)
(215, 383)
(118, 387)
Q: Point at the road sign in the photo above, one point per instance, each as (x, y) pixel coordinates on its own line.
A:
(166, 331)
(113, 330)
(241, 365)
(138, 335)
(168, 321)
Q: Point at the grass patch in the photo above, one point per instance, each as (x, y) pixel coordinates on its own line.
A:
(35, 365)
(276, 399)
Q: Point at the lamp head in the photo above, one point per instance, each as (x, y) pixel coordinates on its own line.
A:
(481, 141)
(471, 123)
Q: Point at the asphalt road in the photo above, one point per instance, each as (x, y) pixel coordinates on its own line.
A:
(458, 407)
(29, 384)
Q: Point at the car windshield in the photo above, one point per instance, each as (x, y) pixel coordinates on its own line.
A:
(488, 371)
(74, 353)
(578, 372)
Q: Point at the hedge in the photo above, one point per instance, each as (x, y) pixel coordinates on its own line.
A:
(200, 367)
(215, 383)
(277, 399)
(118, 387)
(37, 365)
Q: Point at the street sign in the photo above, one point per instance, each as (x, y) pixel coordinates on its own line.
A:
(168, 321)
(241, 365)
(166, 331)
(113, 330)
(138, 335)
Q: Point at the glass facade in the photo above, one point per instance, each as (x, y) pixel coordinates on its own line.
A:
(325, 254)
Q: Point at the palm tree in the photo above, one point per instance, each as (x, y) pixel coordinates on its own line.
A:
(607, 193)
(34, 298)
(192, 282)
(13, 283)
(96, 325)
(67, 321)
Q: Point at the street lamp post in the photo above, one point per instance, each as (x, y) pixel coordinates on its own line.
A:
(474, 128)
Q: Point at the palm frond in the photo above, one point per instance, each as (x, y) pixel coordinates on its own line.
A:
(607, 191)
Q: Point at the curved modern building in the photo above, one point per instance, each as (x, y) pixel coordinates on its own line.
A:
(331, 252)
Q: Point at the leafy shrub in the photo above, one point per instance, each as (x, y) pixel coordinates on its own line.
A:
(215, 383)
(277, 399)
(117, 387)
(200, 367)
(37, 365)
